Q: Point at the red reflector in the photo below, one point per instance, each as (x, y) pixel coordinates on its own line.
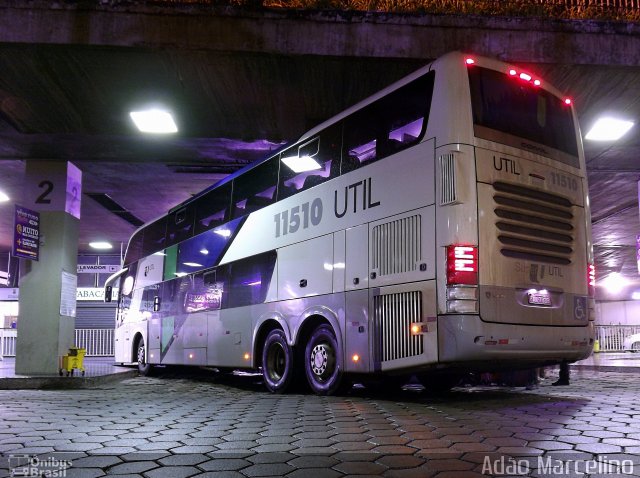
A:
(503, 341)
(469, 61)
(462, 265)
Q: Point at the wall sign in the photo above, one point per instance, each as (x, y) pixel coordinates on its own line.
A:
(97, 269)
(26, 234)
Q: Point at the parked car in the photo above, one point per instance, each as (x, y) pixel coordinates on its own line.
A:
(632, 342)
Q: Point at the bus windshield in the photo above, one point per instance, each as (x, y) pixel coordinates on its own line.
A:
(515, 112)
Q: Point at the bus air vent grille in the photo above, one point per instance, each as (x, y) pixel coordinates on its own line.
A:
(533, 225)
(393, 316)
(395, 246)
(448, 179)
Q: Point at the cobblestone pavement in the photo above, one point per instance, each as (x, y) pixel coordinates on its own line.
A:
(179, 426)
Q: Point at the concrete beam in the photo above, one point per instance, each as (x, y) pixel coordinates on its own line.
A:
(330, 33)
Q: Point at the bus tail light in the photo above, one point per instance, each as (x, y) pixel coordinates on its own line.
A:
(462, 279)
(462, 265)
(591, 280)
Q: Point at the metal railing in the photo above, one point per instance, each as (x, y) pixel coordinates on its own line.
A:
(8, 342)
(97, 342)
(613, 338)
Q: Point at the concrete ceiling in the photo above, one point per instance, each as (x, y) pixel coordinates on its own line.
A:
(239, 96)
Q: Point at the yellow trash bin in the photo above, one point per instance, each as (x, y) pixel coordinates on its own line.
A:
(73, 360)
(596, 346)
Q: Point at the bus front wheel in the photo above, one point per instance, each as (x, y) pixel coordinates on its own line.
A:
(144, 368)
(322, 361)
(277, 362)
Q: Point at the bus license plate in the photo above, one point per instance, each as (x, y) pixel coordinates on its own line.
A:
(539, 299)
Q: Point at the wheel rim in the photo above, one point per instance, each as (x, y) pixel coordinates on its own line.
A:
(322, 361)
(276, 362)
(141, 360)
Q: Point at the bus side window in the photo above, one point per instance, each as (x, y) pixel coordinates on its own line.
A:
(215, 288)
(212, 209)
(255, 189)
(323, 149)
(154, 237)
(250, 279)
(180, 225)
(389, 125)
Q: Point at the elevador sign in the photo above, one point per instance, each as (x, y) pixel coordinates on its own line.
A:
(26, 234)
(97, 269)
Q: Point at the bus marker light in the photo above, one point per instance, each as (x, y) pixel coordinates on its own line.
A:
(567, 101)
(247, 356)
(591, 280)
(190, 356)
(525, 77)
(536, 82)
(419, 328)
(469, 61)
(513, 72)
(355, 357)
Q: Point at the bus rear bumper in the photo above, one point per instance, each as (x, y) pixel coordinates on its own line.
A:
(464, 338)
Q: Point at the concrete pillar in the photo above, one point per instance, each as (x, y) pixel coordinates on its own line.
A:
(46, 320)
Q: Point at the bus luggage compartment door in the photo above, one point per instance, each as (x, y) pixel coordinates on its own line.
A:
(405, 330)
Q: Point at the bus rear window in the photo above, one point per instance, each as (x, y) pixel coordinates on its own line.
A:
(515, 112)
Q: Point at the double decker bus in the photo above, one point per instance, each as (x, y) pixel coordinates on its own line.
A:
(438, 227)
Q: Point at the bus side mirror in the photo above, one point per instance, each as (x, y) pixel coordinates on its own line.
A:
(108, 293)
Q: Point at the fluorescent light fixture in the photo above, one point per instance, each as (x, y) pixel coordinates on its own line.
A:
(608, 129)
(614, 282)
(300, 164)
(223, 232)
(100, 245)
(192, 264)
(154, 121)
(204, 251)
(3, 197)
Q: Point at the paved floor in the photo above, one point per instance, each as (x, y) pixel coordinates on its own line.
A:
(228, 426)
(94, 367)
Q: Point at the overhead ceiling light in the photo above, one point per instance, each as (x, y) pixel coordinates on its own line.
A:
(100, 245)
(300, 164)
(154, 121)
(608, 129)
(3, 197)
(615, 282)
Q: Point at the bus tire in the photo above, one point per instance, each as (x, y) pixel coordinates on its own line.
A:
(144, 368)
(322, 359)
(277, 362)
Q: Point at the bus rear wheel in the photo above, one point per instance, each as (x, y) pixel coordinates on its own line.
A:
(277, 362)
(144, 368)
(322, 361)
